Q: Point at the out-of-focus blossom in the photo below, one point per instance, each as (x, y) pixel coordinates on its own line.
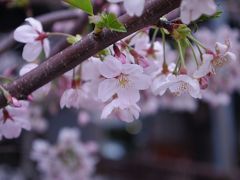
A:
(69, 159)
(135, 7)
(13, 120)
(191, 10)
(41, 92)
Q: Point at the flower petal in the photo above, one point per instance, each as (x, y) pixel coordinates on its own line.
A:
(31, 51)
(107, 88)
(46, 47)
(35, 24)
(110, 67)
(25, 34)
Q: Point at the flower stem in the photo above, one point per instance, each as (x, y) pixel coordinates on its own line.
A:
(58, 34)
(154, 37)
(197, 42)
(181, 54)
(194, 54)
(164, 46)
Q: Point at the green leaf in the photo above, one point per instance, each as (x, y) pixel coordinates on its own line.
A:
(204, 18)
(85, 5)
(109, 21)
(74, 39)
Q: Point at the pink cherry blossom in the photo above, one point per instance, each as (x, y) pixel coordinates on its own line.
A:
(68, 159)
(123, 80)
(135, 7)
(35, 39)
(215, 60)
(191, 10)
(13, 120)
(124, 111)
(177, 84)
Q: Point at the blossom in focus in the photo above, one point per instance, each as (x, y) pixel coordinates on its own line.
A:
(177, 85)
(123, 80)
(135, 7)
(212, 61)
(68, 159)
(191, 10)
(121, 110)
(35, 38)
(13, 120)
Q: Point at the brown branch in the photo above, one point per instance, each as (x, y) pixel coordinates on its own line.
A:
(87, 47)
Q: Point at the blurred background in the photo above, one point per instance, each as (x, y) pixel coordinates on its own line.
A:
(177, 139)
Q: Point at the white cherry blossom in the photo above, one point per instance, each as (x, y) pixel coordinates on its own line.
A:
(69, 158)
(177, 85)
(35, 38)
(191, 10)
(121, 110)
(123, 80)
(133, 7)
(13, 120)
(215, 60)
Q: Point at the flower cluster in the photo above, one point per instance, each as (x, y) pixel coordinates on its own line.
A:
(68, 159)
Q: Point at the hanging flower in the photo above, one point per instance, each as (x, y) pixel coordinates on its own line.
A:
(35, 38)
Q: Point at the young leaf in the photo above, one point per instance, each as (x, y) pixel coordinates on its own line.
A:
(109, 21)
(85, 5)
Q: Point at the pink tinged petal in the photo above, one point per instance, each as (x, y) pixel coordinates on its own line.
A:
(46, 47)
(210, 7)
(115, 1)
(28, 67)
(108, 109)
(205, 68)
(10, 130)
(141, 81)
(35, 24)
(107, 88)
(221, 48)
(134, 7)
(231, 56)
(110, 67)
(25, 34)
(131, 69)
(69, 99)
(125, 115)
(128, 95)
(31, 51)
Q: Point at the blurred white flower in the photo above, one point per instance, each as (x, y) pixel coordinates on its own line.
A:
(13, 120)
(191, 10)
(135, 7)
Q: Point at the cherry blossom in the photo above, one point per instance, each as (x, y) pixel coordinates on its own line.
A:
(35, 38)
(69, 158)
(177, 85)
(121, 110)
(123, 80)
(215, 60)
(135, 7)
(13, 120)
(191, 10)
(73, 98)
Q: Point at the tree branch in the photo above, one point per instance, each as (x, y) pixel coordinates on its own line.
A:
(87, 47)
